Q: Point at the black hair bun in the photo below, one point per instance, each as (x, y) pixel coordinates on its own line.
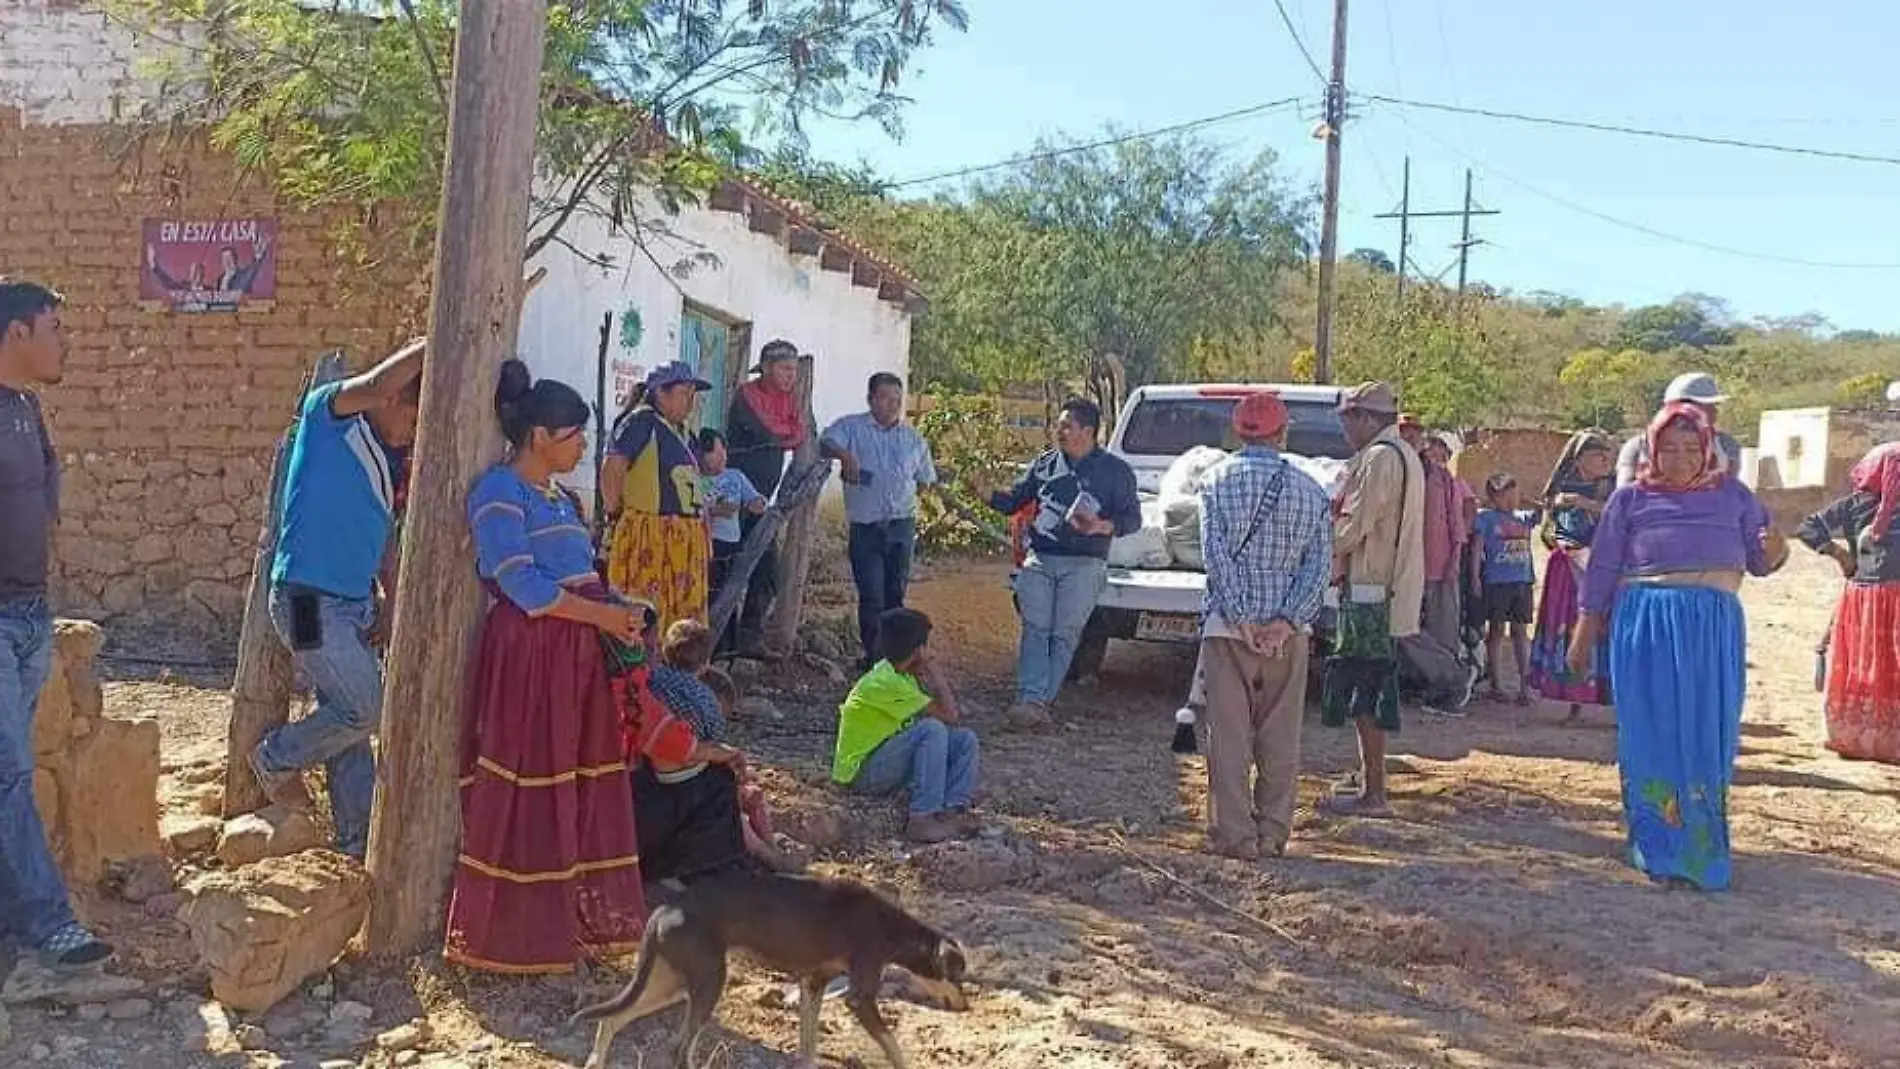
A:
(515, 383)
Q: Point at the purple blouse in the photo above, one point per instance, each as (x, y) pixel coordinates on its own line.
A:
(1646, 532)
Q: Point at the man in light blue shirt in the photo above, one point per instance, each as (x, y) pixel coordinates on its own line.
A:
(883, 461)
(339, 512)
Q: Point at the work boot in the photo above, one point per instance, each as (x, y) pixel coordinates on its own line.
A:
(929, 828)
(1027, 716)
(284, 788)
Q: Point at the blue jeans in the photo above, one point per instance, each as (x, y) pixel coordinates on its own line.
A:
(33, 902)
(936, 761)
(880, 567)
(1056, 596)
(348, 679)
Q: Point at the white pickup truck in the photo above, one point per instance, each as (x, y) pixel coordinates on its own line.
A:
(1158, 425)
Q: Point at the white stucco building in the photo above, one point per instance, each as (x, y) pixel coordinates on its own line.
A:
(762, 270)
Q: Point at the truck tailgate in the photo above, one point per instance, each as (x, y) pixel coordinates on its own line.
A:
(1154, 590)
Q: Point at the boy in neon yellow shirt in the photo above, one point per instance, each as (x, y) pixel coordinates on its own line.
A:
(893, 734)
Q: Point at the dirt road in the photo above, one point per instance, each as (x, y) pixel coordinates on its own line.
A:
(1493, 924)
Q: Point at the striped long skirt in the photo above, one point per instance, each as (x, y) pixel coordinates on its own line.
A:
(549, 871)
(1863, 674)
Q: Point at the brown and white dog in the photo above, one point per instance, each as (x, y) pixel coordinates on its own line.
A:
(816, 930)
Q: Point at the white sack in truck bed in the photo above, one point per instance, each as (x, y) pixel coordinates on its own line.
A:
(1181, 503)
(1146, 548)
(1181, 512)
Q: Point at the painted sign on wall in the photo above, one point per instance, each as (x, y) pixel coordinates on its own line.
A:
(208, 265)
(625, 375)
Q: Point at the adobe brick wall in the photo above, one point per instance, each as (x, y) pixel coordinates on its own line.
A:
(165, 424)
(1527, 454)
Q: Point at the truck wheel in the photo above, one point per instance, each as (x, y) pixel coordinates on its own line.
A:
(1090, 651)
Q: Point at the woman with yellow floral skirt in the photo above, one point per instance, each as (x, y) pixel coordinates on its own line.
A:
(659, 549)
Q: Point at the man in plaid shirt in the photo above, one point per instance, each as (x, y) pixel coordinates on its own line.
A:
(1267, 534)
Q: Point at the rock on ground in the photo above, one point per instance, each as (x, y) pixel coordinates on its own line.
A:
(273, 831)
(205, 1027)
(266, 928)
(975, 866)
(140, 879)
(820, 828)
(189, 835)
(32, 982)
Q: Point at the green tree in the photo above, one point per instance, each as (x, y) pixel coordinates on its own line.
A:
(1444, 365)
(1600, 381)
(1101, 268)
(1689, 322)
(832, 190)
(1861, 390)
(1373, 260)
(644, 103)
(1152, 245)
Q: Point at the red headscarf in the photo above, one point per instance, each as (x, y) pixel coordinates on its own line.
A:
(1697, 420)
(1879, 473)
(777, 410)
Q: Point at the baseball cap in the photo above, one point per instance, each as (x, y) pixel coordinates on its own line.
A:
(1373, 397)
(672, 374)
(1259, 416)
(772, 352)
(1695, 387)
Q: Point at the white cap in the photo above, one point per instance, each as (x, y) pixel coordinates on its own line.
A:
(1695, 387)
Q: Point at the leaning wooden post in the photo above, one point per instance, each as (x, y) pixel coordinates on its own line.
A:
(475, 311)
(260, 689)
(801, 528)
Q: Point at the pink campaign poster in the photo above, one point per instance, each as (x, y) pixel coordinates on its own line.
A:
(208, 265)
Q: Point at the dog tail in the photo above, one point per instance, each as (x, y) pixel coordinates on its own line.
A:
(631, 993)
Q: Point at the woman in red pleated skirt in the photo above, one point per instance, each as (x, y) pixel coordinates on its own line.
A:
(1863, 669)
(548, 874)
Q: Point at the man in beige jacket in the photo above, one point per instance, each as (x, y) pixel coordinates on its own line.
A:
(1379, 562)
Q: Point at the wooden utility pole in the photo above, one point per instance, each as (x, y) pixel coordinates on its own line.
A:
(1464, 240)
(1405, 215)
(1405, 224)
(476, 308)
(1329, 216)
(260, 689)
(801, 525)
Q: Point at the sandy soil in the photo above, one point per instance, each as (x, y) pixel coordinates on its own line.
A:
(1493, 924)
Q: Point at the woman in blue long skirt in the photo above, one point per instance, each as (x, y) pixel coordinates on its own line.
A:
(1669, 556)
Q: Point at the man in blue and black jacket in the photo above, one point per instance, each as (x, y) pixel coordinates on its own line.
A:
(1084, 499)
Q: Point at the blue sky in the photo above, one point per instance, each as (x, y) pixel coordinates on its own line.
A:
(1749, 69)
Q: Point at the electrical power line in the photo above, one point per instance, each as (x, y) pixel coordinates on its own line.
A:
(1295, 34)
(1640, 228)
(1392, 54)
(1634, 131)
(1066, 150)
